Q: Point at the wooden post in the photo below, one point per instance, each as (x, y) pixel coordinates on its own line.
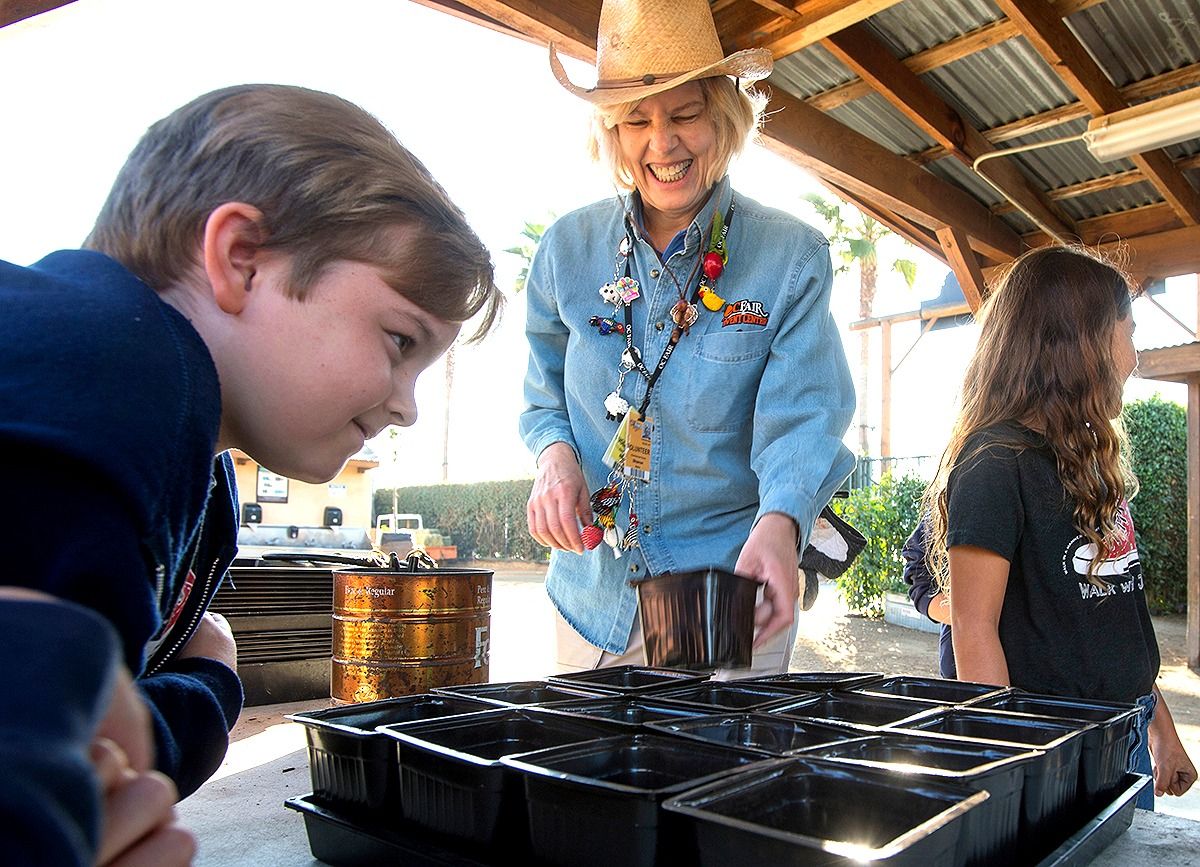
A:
(1193, 524)
(885, 390)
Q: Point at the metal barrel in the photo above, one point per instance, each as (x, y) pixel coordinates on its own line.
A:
(400, 633)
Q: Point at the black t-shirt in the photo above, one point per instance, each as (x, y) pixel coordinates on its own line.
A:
(1061, 634)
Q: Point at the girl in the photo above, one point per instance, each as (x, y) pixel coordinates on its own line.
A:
(1031, 533)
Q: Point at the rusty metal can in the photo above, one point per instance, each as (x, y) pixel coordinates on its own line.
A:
(401, 632)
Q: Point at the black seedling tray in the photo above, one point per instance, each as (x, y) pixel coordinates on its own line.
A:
(631, 679)
(352, 765)
(351, 841)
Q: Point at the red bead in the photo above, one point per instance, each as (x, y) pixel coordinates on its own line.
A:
(713, 265)
(592, 536)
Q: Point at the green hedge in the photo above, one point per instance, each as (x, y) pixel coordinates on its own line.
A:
(1158, 436)
(486, 520)
(885, 513)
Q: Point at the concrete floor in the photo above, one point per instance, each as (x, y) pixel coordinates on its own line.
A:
(239, 818)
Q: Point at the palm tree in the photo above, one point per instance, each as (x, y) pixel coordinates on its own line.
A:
(857, 240)
(533, 236)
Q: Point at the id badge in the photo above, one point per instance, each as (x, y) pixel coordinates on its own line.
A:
(636, 464)
(614, 455)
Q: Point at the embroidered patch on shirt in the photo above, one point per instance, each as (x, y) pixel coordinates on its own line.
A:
(745, 312)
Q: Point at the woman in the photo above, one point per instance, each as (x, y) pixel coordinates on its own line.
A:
(708, 347)
(1031, 531)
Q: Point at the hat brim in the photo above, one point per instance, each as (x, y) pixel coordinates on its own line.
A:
(750, 64)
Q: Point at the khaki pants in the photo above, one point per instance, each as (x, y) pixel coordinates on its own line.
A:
(575, 653)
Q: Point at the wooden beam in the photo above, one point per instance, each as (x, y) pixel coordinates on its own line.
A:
(571, 26)
(817, 19)
(964, 265)
(12, 11)
(885, 390)
(1170, 363)
(1045, 30)
(1163, 254)
(865, 55)
(1193, 525)
(1100, 184)
(850, 160)
(780, 9)
(1146, 220)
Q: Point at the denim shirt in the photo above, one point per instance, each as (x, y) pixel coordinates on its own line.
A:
(748, 418)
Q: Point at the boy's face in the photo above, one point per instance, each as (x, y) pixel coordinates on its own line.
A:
(313, 379)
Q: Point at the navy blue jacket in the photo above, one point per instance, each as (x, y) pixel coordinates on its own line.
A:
(922, 589)
(109, 413)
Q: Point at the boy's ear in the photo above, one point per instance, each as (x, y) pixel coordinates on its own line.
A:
(233, 238)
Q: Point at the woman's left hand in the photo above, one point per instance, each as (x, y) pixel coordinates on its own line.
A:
(770, 556)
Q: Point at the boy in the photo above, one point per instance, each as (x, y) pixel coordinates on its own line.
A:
(271, 272)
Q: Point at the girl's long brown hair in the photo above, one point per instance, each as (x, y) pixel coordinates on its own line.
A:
(1044, 359)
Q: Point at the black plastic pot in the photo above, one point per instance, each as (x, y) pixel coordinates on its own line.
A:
(815, 681)
(798, 812)
(1105, 756)
(627, 711)
(1051, 782)
(726, 695)
(519, 693)
(932, 689)
(451, 778)
(631, 679)
(866, 710)
(597, 804)
(770, 734)
(990, 832)
(702, 619)
(353, 766)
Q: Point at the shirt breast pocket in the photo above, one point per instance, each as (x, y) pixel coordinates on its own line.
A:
(723, 378)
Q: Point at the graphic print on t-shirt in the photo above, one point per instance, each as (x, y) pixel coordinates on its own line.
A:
(1120, 570)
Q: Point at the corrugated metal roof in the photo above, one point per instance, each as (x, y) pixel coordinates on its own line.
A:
(809, 72)
(1131, 39)
(1136, 39)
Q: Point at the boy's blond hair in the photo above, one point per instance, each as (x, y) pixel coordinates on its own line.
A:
(330, 180)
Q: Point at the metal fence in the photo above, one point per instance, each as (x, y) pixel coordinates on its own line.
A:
(868, 471)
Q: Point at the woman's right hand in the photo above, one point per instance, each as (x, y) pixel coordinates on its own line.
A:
(559, 500)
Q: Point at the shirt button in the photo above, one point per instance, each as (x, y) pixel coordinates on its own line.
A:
(658, 326)
(647, 529)
(633, 567)
(654, 273)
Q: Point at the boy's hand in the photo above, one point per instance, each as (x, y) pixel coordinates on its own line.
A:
(213, 639)
(139, 828)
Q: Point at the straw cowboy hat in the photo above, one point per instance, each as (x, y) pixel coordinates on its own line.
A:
(647, 46)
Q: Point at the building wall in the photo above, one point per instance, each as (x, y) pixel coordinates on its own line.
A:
(305, 504)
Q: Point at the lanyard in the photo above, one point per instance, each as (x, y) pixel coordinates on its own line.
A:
(633, 354)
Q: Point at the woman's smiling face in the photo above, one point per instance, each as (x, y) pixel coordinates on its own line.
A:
(668, 144)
